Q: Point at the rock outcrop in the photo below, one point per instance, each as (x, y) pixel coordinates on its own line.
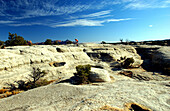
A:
(132, 89)
(59, 60)
(156, 58)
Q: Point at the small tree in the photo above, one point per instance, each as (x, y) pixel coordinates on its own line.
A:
(14, 40)
(32, 82)
(37, 74)
(48, 42)
(121, 40)
(69, 42)
(103, 42)
(19, 41)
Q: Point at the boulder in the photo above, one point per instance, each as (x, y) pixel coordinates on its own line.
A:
(99, 75)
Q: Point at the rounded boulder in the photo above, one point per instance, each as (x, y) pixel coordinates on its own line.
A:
(99, 75)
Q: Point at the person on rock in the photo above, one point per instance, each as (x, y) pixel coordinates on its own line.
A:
(76, 41)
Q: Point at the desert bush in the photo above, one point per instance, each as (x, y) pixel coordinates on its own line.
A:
(11, 87)
(20, 86)
(14, 40)
(128, 62)
(69, 42)
(35, 76)
(48, 42)
(33, 81)
(82, 74)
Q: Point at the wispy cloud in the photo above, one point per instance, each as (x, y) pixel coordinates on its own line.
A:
(143, 4)
(6, 22)
(66, 13)
(20, 9)
(85, 22)
(25, 24)
(117, 20)
(81, 22)
(97, 14)
(100, 14)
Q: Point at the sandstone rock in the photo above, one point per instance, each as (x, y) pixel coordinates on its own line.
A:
(99, 75)
(156, 58)
(67, 97)
(16, 63)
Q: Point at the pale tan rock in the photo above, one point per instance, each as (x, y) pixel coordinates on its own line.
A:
(17, 62)
(99, 75)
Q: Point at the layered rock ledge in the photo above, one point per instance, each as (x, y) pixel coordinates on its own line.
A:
(117, 92)
(59, 60)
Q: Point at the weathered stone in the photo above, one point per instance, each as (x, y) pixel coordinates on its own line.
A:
(156, 58)
(99, 75)
(19, 61)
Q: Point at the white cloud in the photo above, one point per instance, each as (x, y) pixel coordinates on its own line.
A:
(25, 24)
(6, 22)
(81, 22)
(70, 9)
(117, 20)
(34, 8)
(21, 9)
(85, 22)
(137, 6)
(101, 13)
(150, 25)
(143, 4)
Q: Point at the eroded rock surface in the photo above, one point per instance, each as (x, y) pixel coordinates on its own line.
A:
(141, 87)
(156, 58)
(59, 60)
(67, 97)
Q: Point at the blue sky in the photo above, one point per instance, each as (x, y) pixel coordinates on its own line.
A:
(86, 20)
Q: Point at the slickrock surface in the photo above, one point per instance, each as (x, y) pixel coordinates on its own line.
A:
(145, 88)
(67, 97)
(16, 63)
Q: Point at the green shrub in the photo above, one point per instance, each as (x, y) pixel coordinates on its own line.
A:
(69, 42)
(36, 75)
(83, 72)
(48, 42)
(128, 62)
(103, 42)
(14, 40)
(34, 82)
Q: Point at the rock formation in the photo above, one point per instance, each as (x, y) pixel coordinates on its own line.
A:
(156, 58)
(59, 61)
(120, 89)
